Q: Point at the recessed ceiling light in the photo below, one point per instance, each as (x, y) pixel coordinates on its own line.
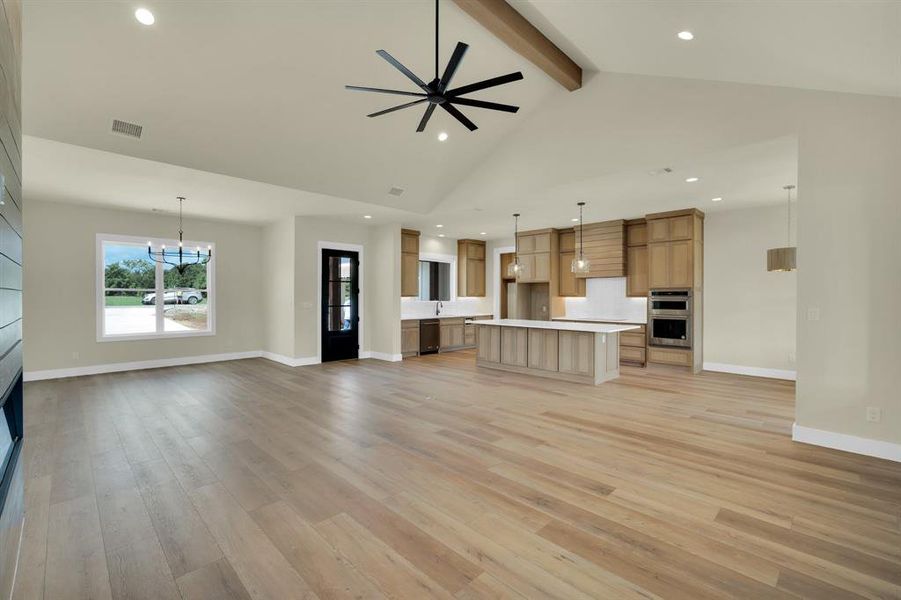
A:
(442, 136)
(685, 35)
(692, 179)
(483, 233)
(367, 216)
(439, 226)
(717, 199)
(144, 16)
(440, 235)
(575, 219)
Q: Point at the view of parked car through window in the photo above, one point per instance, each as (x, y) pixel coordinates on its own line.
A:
(130, 304)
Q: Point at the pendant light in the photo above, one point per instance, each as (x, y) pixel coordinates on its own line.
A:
(784, 259)
(580, 264)
(515, 268)
(184, 259)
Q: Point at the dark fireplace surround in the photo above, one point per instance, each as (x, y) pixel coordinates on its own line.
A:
(10, 422)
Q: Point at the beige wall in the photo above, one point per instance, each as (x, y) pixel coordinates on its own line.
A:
(278, 287)
(749, 313)
(60, 327)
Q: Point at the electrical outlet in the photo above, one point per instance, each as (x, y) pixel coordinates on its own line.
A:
(874, 414)
(75, 355)
(813, 313)
(791, 357)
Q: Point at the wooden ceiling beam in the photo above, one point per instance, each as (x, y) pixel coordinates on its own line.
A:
(513, 29)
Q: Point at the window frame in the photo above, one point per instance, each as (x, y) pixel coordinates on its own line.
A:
(160, 333)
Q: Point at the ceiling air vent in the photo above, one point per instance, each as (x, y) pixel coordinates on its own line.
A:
(127, 129)
(396, 191)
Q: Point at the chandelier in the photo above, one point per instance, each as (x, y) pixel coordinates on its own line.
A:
(515, 268)
(184, 259)
(581, 264)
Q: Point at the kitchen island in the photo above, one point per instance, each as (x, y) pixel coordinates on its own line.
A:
(579, 352)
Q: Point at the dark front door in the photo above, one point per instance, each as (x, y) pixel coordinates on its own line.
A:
(340, 305)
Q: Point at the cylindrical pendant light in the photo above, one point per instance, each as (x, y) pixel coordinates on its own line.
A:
(580, 264)
(784, 259)
(515, 268)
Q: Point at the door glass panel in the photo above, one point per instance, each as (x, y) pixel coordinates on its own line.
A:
(339, 318)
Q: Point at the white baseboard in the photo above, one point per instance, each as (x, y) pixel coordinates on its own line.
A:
(753, 371)
(290, 361)
(383, 356)
(137, 365)
(848, 443)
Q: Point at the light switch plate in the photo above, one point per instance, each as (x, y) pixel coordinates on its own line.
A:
(813, 313)
(874, 414)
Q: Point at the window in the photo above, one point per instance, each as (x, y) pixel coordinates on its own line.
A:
(434, 280)
(138, 298)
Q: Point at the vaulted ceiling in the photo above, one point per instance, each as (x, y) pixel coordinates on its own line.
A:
(254, 91)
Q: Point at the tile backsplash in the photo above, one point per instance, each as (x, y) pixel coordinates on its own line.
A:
(605, 298)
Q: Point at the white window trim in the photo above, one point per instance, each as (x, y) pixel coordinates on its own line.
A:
(100, 296)
(444, 258)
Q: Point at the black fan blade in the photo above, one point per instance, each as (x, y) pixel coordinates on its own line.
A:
(425, 118)
(482, 104)
(394, 108)
(459, 116)
(452, 66)
(397, 65)
(358, 88)
(481, 85)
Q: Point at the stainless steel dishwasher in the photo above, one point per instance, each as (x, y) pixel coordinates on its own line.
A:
(429, 336)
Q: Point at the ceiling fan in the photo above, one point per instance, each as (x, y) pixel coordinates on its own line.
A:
(436, 92)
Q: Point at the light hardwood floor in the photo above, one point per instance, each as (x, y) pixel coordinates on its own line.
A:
(432, 479)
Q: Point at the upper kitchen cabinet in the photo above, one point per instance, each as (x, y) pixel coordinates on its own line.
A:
(471, 268)
(409, 262)
(605, 249)
(675, 249)
(569, 284)
(538, 253)
(637, 258)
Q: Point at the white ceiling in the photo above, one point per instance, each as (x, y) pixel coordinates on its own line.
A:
(836, 45)
(254, 91)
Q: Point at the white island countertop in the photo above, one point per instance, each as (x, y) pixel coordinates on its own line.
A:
(559, 325)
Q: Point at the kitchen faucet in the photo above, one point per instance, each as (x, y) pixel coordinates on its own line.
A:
(438, 306)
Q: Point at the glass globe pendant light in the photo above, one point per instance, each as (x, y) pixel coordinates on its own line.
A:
(515, 268)
(581, 264)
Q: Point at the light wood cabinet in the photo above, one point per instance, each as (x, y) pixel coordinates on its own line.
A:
(570, 285)
(535, 256)
(680, 228)
(658, 230)
(488, 343)
(530, 243)
(514, 346)
(409, 337)
(576, 353)
(636, 233)
(605, 248)
(671, 264)
(543, 349)
(409, 263)
(668, 229)
(637, 271)
(670, 356)
(471, 268)
(452, 334)
(567, 240)
(506, 259)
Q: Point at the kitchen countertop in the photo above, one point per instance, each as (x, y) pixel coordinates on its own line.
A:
(442, 316)
(560, 325)
(601, 320)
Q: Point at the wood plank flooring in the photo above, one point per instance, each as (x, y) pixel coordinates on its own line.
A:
(433, 479)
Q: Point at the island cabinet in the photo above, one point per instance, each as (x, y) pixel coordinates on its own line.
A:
(605, 249)
(579, 352)
(470, 268)
(570, 285)
(409, 262)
